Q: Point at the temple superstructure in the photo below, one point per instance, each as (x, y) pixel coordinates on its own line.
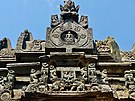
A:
(68, 66)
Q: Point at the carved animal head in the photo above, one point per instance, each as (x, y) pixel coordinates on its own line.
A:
(54, 20)
(84, 21)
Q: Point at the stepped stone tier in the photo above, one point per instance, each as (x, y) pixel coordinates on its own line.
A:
(68, 66)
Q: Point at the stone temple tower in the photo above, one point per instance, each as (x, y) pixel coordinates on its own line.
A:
(68, 66)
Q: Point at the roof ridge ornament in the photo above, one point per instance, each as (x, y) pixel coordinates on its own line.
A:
(69, 6)
(69, 11)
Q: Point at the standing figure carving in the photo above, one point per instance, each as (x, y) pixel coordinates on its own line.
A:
(53, 74)
(34, 76)
(129, 79)
(92, 74)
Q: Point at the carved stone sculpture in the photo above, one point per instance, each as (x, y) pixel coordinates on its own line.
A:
(127, 56)
(35, 45)
(92, 74)
(69, 11)
(84, 21)
(6, 48)
(58, 86)
(21, 42)
(69, 32)
(6, 86)
(5, 43)
(54, 20)
(129, 79)
(78, 85)
(34, 76)
(109, 45)
(69, 65)
(38, 80)
(53, 74)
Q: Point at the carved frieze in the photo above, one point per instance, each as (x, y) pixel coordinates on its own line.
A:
(69, 63)
(38, 80)
(6, 86)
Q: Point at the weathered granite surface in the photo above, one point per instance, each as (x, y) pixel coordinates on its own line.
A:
(68, 66)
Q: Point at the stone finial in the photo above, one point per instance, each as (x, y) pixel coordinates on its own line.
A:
(69, 6)
(69, 11)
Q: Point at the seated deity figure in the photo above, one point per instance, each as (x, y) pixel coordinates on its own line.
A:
(69, 38)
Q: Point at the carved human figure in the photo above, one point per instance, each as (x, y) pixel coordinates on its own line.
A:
(68, 76)
(69, 38)
(104, 76)
(92, 74)
(10, 79)
(78, 85)
(34, 76)
(37, 45)
(44, 72)
(81, 86)
(84, 73)
(129, 79)
(58, 85)
(53, 74)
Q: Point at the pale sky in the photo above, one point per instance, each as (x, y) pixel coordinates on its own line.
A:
(114, 18)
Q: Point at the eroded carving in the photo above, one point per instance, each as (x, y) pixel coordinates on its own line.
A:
(35, 45)
(69, 11)
(84, 21)
(127, 56)
(21, 42)
(6, 86)
(54, 20)
(129, 79)
(38, 80)
(6, 48)
(109, 45)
